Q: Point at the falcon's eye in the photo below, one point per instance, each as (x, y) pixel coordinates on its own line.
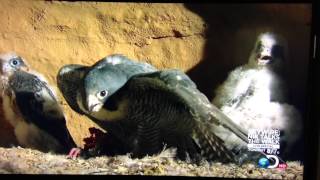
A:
(15, 62)
(102, 94)
(259, 46)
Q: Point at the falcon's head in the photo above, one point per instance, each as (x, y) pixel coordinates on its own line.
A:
(11, 62)
(269, 51)
(99, 85)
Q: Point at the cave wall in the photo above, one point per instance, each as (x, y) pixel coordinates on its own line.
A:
(49, 34)
(204, 40)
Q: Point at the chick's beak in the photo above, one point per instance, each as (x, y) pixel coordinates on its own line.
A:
(264, 57)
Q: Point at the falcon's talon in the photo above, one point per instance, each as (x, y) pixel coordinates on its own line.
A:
(74, 153)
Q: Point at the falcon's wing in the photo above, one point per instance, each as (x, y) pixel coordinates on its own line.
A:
(177, 86)
(180, 85)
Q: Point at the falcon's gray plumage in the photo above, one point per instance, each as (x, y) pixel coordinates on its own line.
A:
(146, 109)
(70, 77)
(32, 109)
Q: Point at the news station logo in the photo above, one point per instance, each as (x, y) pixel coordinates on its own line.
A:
(267, 141)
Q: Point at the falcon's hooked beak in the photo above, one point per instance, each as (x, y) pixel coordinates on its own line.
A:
(93, 104)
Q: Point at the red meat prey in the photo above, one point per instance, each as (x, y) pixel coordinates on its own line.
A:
(90, 142)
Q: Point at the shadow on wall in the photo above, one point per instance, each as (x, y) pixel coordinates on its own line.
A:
(231, 32)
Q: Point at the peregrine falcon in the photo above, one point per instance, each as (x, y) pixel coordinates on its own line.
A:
(9, 62)
(254, 95)
(149, 109)
(31, 108)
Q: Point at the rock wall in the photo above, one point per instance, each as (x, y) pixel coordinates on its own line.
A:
(51, 34)
(204, 40)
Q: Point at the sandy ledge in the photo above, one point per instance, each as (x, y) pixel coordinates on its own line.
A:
(17, 160)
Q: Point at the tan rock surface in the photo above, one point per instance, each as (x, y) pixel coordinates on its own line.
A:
(51, 34)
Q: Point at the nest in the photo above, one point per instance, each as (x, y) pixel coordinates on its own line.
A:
(17, 160)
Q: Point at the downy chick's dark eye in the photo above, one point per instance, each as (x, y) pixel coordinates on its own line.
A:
(259, 47)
